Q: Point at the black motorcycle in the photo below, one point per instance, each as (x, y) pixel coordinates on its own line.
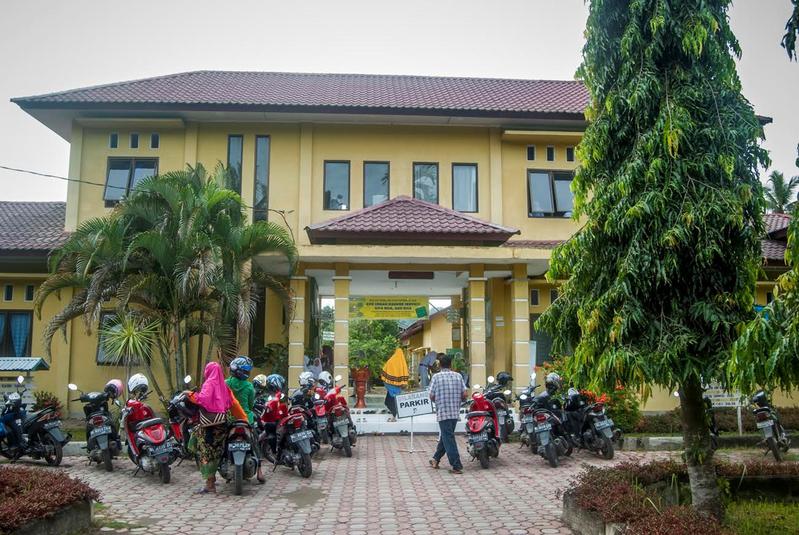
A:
(587, 425)
(183, 419)
(549, 437)
(304, 398)
(37, 434)
(500, 396)
(102, 430)
(239, 461)
(768, 421)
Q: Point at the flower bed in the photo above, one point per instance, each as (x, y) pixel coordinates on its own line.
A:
(726, 420)
(646, 498)
(27, 495)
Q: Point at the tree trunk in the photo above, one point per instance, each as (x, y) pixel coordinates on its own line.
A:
(199, 368)
(705, 493)
(180, 365)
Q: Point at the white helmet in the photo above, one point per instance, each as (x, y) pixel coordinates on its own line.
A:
(307, 379)
(325, 379)
(138, 384)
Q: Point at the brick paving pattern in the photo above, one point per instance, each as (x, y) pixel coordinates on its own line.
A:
(379, 490)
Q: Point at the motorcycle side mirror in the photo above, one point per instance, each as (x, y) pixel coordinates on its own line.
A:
(72, 386)
(490, 379)
(476, 387)
(337, 377)
(187, 380)
(523, 397)
(507, 392)
(20, 379)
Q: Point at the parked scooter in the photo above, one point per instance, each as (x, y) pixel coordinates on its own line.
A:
(482, 427)
(342, 429)
(36, 434)
(767, 420)
(551, 441)
(527, 415)
(102, 431)
(183, 418)
(587, 425)
(148, 442)
(239, 461)
(499, 394)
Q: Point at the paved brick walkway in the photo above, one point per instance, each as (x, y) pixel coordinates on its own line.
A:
(378, 490)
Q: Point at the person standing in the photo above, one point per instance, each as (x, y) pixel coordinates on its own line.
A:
(394, 376)
(239, 383)
(447, 391)
(425, 366)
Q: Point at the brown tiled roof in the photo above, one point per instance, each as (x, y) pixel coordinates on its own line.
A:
(406, 220)
(773, 250)
(367, 93)
(31, 226)
(776, 223)
(533, 244)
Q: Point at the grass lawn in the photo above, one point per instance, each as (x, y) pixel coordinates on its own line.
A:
(762, 518)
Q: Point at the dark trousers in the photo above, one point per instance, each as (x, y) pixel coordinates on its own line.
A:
(391, 404)
(447, 444)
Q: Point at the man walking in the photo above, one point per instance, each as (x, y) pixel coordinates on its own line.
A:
(447, 390)
(425, 366)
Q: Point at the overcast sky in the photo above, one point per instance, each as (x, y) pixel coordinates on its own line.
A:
(56, 45)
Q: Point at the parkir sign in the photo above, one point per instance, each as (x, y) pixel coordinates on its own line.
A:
(414, 404)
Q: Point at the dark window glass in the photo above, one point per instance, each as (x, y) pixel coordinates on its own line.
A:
(464, 187)
(531, 152)
(235, 145)
(769, 297)
(375, 182)
(564, 198)
(337, 186)
(533, 298)
(569, 154)
(549, 194)
(134, 141)
(543, 341)
(8, 292)
(155, 141)
(29, 291)
(15, 333)
(113, 141)
(553, 295)
(425, 182)
(550, 154)
(261, 193)
(124, 174)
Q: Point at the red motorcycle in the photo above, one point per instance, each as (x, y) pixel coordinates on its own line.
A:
(148, 442)
(342, 431)
(284, 437)
(320, 414)
(482, 428)
(184, 416)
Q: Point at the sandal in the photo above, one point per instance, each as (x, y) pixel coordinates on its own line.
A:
(434, 464)
(205, 490)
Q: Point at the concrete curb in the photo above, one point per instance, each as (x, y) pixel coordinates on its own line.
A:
(585, 522)
(73, 519)
(75, 449)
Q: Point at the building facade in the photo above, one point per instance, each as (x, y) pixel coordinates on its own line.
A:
(453, 188)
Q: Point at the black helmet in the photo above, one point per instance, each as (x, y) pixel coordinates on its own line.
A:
(275, 383)
(241, 367)
(553, 382)
(503, 378)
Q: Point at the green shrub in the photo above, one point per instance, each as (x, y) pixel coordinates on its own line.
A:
(726, 420)
(46, 399)
(762, 518)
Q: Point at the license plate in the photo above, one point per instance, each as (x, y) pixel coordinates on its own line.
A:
(603, 424)
(238, 446)
(50, 425)
(321, 424)
(301, 435)
(543, 427)
(481, 437)
(527, 420)
(765, 423)
(161, 449)
(104, 430)
(501, 414)
(341, 421)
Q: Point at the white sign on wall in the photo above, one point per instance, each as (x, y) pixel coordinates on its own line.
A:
(414, 404)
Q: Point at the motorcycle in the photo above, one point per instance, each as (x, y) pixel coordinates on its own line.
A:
(320, 415)
(482, 427)
(102, 432)
(40, 429)
(587, 425)
(767, 420)
(302, 398)
(527, 416)
(284, 437)
(183, 418)
(550, 439)
(500, 398)
(342, 431)
(149, 445)
(239, 461)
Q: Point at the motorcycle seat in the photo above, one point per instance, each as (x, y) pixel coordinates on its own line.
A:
(477, 413)
(147, 423)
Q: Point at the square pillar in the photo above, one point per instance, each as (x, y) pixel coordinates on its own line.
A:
(456, 325)
(477, 327)
(299, 284)
(520, 326)
(341, 338)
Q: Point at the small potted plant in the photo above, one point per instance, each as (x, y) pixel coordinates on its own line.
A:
(359, 368)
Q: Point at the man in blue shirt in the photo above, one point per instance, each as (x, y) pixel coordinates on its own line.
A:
(448, 391)
(425, 367)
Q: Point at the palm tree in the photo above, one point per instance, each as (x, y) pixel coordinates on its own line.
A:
(175, 259)
(780, 196)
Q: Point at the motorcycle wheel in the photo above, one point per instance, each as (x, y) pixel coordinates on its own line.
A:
(305, 466)
(533, 446)
(606, 449)
(483, 457)
(552, 454)
(109, 466)
(775, 449)
(345, 445)
(238, 479)
(53, 459)
(164, 473)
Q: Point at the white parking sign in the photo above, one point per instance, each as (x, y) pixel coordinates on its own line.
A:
(414, 404)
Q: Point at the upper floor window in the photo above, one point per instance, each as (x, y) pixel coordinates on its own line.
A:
(550, 154)
(376, 177)
(425, 182)
(113, 141)
(124, 174)
(549, 194)
(235, 146)
(553, 295)
(134, 141)
(337, 186)
(531, 152)
(155, 141)
(261, 193)
(15, 333)
(534, 297)
(464, 187)
(569, 154)
(29, 291)
(8, 292)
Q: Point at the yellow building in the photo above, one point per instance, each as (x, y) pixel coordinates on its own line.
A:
(392, 186)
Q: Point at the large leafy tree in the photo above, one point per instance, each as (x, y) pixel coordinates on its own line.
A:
(781, 193)
(665, 264)
(175, 261)
(372, 342)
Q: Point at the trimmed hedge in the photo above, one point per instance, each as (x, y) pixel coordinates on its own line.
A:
(27, 494)
(726, 419)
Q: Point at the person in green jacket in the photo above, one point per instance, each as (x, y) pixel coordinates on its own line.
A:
(239, 383)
